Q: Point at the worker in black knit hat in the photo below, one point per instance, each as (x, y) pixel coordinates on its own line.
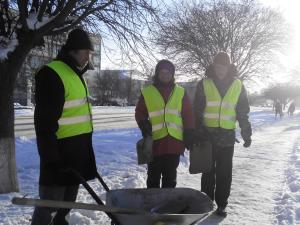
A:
(63, 127)
(78, 39)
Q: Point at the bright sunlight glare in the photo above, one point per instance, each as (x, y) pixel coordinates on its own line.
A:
(290, 9)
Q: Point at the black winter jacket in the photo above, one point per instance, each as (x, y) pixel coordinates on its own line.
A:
(220, 136)
(56, 155)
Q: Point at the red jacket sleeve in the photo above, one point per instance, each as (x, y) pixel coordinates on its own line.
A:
(187, 113)
(141, 112)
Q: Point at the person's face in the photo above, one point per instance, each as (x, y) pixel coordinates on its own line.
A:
(165, 76)
(221, 71)
(82, 56)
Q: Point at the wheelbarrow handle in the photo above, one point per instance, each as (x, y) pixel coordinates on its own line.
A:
(102, 182)
(73, 205)
(93, 194)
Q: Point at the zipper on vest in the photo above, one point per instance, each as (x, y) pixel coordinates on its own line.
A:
(171, 94)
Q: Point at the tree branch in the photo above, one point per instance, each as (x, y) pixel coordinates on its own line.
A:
(23, 12)
(89, 10)
(59, 7)
(59, 19)
(42, 10)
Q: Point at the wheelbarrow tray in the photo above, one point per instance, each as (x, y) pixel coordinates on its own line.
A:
(195, 205)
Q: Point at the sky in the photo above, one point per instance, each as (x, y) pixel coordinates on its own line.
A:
(290, 9)
(265, 186)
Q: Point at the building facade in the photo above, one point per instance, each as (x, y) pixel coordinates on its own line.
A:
(40, 56)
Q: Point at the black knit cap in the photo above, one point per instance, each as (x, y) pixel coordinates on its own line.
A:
(165, 64)
(78, 39)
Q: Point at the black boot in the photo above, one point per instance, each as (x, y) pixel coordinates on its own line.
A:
(221, 211)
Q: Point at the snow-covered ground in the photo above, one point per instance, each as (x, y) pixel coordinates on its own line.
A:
(266, 176)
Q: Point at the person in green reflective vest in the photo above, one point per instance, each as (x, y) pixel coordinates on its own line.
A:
(63, 124)
(220, 101)
(164, 112)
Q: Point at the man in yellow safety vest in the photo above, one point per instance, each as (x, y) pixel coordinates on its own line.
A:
(220, 101)
(63, 124)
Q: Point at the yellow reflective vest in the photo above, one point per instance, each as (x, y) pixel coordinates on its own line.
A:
(165, 118)
(221, 112)
(76, 117)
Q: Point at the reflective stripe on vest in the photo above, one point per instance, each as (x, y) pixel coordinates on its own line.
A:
(76, 117)
(165, 118)
(221, 112)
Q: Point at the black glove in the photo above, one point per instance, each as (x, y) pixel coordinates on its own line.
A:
(189, 138)
(247, 143)
(145, 127)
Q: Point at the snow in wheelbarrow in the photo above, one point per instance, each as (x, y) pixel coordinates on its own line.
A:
(168, 206)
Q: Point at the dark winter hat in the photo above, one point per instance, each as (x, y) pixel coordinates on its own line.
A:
(165, 64)
(222, 58)
(78, 39)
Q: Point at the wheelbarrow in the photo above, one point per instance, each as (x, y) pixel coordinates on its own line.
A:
(167, 206)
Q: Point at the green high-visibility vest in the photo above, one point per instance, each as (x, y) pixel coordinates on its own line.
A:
(76, 117)
(165, 118)
(221, 112)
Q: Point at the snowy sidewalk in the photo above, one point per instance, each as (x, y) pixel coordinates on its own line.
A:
(265, 186)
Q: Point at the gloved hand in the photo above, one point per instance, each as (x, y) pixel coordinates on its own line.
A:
(247, 143)
(145, 127)
(189, 138)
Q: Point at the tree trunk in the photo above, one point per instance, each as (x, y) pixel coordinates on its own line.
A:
(8, 181)
(9, 69)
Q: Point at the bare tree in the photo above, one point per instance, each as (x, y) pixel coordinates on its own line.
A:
(107, 86)
(24, 24)
(193, 32)
(116, 87)
(129, 86)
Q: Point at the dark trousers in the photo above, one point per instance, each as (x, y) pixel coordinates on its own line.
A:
(217, 183)
(164, 166)
(52, 216)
